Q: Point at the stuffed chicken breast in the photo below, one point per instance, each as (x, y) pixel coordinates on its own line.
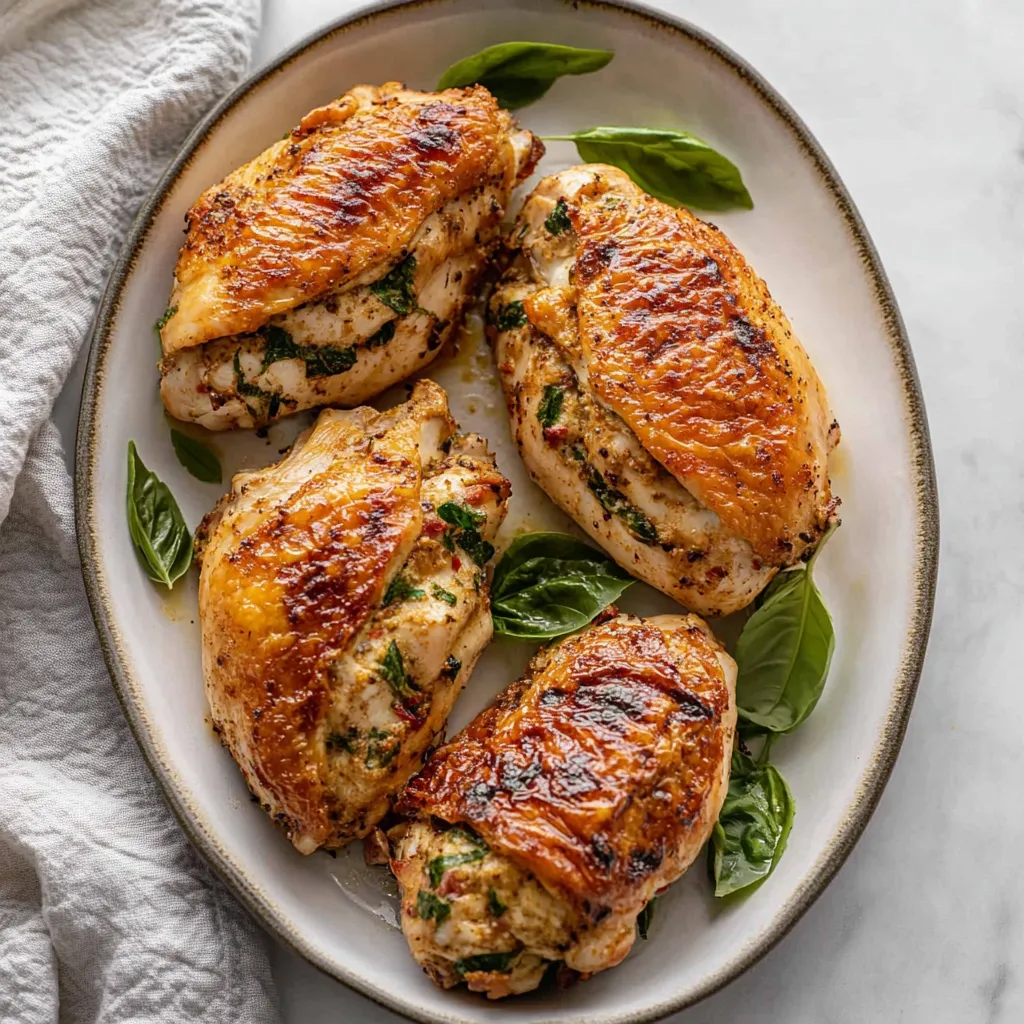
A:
(338, 261)
(343, 604)
(657, 392)
(538, 834)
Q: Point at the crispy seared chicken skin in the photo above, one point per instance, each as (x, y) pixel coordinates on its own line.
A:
(538, 834)
(338, 261)
(657, 392)
(343, 604)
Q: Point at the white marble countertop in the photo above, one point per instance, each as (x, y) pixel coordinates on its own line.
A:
(920, 105)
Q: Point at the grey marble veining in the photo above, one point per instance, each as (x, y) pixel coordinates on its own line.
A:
(920, 104)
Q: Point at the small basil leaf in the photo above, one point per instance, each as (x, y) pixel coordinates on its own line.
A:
(520, 73)
(750, 835)
(783, 654)
(196, 458)
(550, 584)
(162, 540)
(671, 165)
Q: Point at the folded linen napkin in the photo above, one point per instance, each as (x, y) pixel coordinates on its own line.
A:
(106, 912)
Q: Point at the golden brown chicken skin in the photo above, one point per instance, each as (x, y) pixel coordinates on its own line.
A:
(692, 433)
(341, 613)
(338, 260)
(541, 831)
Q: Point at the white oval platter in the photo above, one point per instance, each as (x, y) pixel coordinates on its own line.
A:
(804, 237)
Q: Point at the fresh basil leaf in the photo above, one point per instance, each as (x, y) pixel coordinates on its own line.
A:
(643, 919)
(499, 962)
(550, 409)
(196, 458)
(162, 540)
(430, 906)
(444, 595)
(750, 835)
(784, 652)
(550, 584)
(520, 73)
(671, 165)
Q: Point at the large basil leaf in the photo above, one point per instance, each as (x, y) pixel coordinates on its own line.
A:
(784, 653)
(550, 584)
(520, 73)
(157, 527)
(750, 835)
(196, 457)
(671, 165)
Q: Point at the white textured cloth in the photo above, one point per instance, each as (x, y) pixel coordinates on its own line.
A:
(106, 912)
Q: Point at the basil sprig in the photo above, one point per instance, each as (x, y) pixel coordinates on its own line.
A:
(783, 657)
(784, 652)
(751, 832)
(519, 73)
(550, 584)
(196, 457)
(671, 165)
(162, 540)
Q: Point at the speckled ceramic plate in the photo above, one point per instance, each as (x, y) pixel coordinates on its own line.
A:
(804, 236)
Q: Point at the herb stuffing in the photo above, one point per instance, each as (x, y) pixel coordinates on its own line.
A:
(439, 865)
(558, 219)
(395, 290)
(400, 589)
(430, 906)
(499, 962)
(618, 504)
(511, 316)
(494, 904)
(444, 595)
(550, 409)
(464, 522)
(320, 360)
